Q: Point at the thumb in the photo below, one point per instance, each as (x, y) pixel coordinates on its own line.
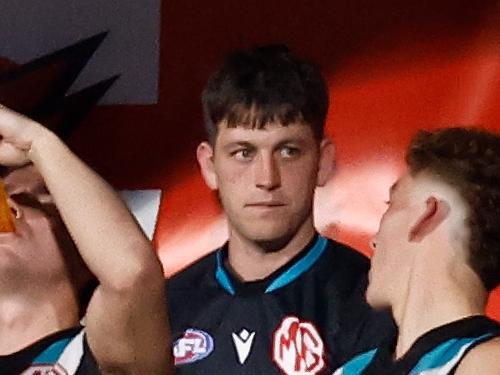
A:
(10, 155)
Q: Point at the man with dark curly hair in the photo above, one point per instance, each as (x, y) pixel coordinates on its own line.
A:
(437, 255)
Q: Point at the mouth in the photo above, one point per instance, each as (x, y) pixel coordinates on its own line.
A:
(263, 204)
(7, 234)
(8, 239)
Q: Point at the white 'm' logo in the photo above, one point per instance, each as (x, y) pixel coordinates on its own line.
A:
(243, 343)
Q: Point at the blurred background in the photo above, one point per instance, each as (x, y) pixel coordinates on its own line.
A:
(392, 67)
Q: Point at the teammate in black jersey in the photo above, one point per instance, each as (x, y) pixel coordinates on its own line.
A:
(437, 255)
(43, 274)
(277, 298)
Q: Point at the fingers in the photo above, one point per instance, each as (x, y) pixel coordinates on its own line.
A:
(12, 156)
(17, 133)
(14, 117)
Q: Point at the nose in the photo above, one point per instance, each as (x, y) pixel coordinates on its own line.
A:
(267, 172)
(373, 243)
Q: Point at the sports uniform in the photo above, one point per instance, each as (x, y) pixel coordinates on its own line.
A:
(62, 353)
(437, 352)
(305, 318)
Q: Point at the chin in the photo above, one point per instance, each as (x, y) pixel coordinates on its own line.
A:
(371, 296)
(271, 239)
(266, 230)
(377, 302)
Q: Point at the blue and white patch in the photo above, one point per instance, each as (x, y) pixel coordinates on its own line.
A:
(193, 346)
(61, 358)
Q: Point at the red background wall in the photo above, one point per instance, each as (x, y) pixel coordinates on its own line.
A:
(392, 67)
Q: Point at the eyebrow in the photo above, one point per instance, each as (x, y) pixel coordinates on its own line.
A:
(298, 142)
(238, 144)
(295, 141)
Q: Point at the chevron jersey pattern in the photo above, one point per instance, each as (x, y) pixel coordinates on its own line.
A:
(438, 352)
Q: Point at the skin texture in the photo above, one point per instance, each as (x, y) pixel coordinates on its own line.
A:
(126, 323)
(389, 265)
(37, 226)
(265, 179)
(419, 268)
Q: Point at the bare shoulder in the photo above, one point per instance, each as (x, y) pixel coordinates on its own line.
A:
(484, 359)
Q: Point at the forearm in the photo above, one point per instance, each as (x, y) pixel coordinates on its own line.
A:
(107, 236)
(126, 322)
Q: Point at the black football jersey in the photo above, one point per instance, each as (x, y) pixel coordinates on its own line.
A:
(438, 352)
(64, 352)
(308, 317)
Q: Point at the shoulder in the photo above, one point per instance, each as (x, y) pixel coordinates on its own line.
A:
(483, 359)
(194, 274)
(344, 253)
(345, 262)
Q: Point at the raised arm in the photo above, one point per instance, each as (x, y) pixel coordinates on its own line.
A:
(126, 322)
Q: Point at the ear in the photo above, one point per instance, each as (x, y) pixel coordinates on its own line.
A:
(434, 214)
(326, 164)
(205, 156)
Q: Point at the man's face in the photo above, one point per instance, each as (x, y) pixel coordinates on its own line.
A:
(390, 262)
(33, 249)
(266, 179)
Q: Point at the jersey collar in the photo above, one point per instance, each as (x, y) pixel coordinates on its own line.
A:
(284, 276)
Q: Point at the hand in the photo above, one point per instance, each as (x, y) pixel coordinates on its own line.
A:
(17, 134)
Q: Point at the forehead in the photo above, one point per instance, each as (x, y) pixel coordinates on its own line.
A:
(272, 133)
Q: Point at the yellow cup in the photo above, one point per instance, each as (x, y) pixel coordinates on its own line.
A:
(6, 217)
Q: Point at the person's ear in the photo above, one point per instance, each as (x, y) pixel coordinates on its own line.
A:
(326, 165)
(435, 212)
(205, 156)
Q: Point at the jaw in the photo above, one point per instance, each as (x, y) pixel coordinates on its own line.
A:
(273, 234)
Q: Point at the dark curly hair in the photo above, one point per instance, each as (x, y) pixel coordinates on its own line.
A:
(469, 160)
(264, 85)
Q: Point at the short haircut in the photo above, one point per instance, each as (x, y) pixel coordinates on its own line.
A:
(468, 159)
(264, 85)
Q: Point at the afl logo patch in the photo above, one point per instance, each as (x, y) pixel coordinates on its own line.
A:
(298, 348)
(193, 346)
(44, 370)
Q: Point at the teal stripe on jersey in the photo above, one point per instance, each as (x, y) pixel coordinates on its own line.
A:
(303, 265)
(52, 353)
(300, 267)
(358, 364)
(222, 276)
(446, 352)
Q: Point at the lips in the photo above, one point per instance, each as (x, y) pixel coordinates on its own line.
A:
(265, 204)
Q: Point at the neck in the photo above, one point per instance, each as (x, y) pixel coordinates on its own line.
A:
(250, 260)
(434, 301)
(27, 317)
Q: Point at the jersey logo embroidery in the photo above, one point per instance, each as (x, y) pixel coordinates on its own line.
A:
(193, 346)
(243, 344)
(297, 347)
(44, 370)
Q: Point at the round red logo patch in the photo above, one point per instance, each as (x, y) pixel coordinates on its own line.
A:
(45, 370)
(297, 347)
